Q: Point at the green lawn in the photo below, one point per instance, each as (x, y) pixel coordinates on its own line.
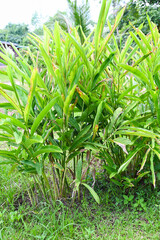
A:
(111, 220)
(83, 222)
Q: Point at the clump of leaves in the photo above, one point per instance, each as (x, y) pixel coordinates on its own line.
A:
(72, 103)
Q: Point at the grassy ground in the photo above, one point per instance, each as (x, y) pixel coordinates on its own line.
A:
(85, 222)
(113, 219)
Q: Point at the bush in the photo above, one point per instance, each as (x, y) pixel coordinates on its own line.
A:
(72, 104)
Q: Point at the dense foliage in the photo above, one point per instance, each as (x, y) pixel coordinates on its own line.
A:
(136, 13)
(77, 109)
(15, 33)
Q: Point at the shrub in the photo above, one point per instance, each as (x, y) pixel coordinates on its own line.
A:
(73, 103)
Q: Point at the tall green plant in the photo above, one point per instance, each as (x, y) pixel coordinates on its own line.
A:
(70, 104)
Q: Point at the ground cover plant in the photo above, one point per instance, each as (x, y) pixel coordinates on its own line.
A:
(112, 219)
(75, 110)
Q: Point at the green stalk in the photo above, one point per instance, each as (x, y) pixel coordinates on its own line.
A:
(44, 190)
(54, 183)
(41, 187)
(48, 187)
(74, 166)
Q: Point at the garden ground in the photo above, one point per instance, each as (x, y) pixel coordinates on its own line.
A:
(119, 216)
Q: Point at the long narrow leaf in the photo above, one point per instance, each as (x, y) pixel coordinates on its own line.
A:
(129, 158)
(5, 95)
(81, 52)
(42, 115)
(31, 94)
(93, 193)
(48, 149)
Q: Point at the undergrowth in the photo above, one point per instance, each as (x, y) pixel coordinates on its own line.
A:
(115, 218)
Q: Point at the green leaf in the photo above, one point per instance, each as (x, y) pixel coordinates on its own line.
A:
(79, 170)
(14, 121)
(108, 108)
(79, 143)
(141, 175)
(74, 123)
(39, 168)
(129, 158)
(10, 74)
(32, 140)
(48, 149)
(8, 154)
(6, 87)
(135, 71)
(157, 153)
(102, 68)
(93, 193)
(101, 21)
(18, 137)
(81, 52)
(152, 29)
(139, 43)
(7, 161)
(96, 120)
(117, 20)
(126, 92)
(28, 163)
(6, 105)
(4, 94)
(31, 94)
(152, 169)
(72, 155)
(157, 80)
(144, 160)
(47, 61)
(98, 114)
(81, 137)
(40, 82)
(116, 114)
(144, 39)
(122, 142)
(141, 132)
(6, 139)
(59, 166)
(68, 100)
(77, 77)
(42, 115)
(57, 43)
(126, 47)
(15, 66)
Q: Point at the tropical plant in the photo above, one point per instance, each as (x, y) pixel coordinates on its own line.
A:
(72, 104)
(140, 120)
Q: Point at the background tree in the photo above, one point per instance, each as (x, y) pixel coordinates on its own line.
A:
(62, 18)
(136, 12)
(15, 33)
(36, 23)
(79, 16)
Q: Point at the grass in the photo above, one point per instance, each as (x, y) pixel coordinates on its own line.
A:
(85, 222)
(111, 220)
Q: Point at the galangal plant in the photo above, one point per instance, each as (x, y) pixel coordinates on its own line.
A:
(71, 103)
(133, 133)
